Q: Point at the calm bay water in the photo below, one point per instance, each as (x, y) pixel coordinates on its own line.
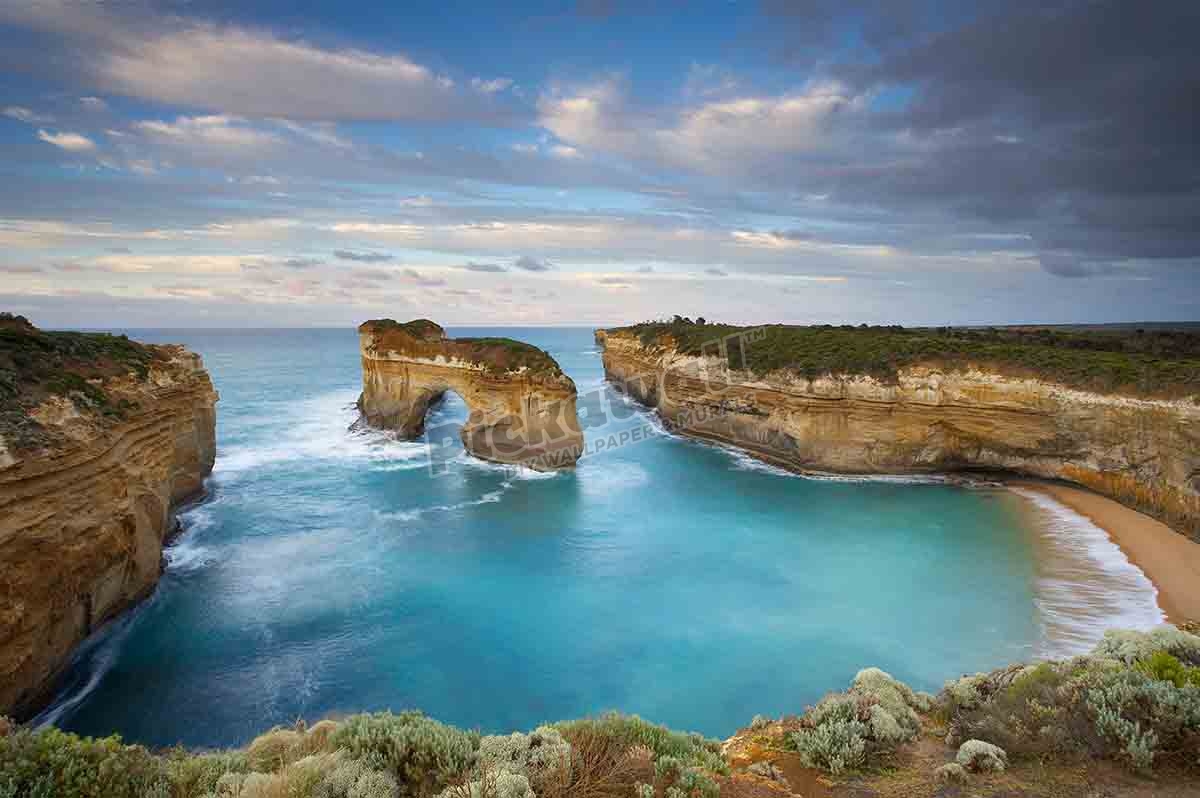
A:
(329, 572)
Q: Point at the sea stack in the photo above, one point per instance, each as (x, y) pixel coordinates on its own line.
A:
(101, 438)
(522, 406)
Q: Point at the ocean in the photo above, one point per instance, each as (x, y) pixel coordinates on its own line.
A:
(329, 572)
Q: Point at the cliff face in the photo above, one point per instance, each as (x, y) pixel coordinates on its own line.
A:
(1144, 453)
(89, 476)
(522, 405)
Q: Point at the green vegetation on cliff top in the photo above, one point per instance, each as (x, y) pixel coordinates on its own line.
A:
(36, 364)
(1134, 701)
(497, 354)
(1146, 362)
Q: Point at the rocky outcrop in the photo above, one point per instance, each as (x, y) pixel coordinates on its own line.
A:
(1142, 452)
(522, 406)
(95, 454)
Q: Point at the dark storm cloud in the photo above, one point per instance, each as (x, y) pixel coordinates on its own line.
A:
(362, 257)
(1075, 122)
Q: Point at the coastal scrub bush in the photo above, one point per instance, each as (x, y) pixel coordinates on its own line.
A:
(877, 714)
(981, 757)
(533, 755)
(630, 731)
(1133, 699)
(195, 775)
(51, 763)
(1130, 646)
(1162, 666)
(951, 773)
(423, 754)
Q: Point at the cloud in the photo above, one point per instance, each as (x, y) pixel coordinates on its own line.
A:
(473, 266)
(415, 276)
(362, 257)
(491, 86)
(212, 132)
(93, 103)
(25, 115)
(240, 70)
(302, 263)
(716, 272)
(71, 142)
(531, 264)
(717, 137)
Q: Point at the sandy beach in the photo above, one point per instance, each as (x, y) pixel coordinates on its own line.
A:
(1170, 560)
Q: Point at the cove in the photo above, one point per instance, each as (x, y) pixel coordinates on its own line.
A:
(329, 572)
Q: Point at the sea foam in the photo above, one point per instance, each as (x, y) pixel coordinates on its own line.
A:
(1085, 584)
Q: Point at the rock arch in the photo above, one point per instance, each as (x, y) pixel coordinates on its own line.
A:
(522, 406)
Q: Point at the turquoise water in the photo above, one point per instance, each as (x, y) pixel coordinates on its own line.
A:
(329, 572)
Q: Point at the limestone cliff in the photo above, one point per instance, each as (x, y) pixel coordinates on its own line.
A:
(1144, 452)
(100, 439)
(522, 406)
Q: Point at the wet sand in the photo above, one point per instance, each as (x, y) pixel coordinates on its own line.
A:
(1170, 560)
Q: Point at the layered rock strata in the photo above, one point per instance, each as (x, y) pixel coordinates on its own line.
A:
(522, 406)
(91, 470)
(1142, 452)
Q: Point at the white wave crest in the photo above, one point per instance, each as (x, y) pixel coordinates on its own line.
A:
(320, 429)
(491, 497)
(1086, 584)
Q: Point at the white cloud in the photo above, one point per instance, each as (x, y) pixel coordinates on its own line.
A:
(211, 132)
(491, 86)
(71, 142)
(565, 152)
(256, 73)
(26, 115)
(93, 103)
(715, 136)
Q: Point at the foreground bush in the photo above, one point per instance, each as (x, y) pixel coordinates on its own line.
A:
(877, 714)
(1135, 698)
(381, 755)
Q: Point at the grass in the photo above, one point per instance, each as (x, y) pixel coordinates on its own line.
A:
(1144, 362)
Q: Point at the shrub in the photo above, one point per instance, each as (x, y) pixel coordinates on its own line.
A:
(54, 763)
(951, 773)
(1141, 716)
(1130, 647)
(1127, 700)
(836, 745)
(630, 731)
(981, 757)
(877, 714)
(421, 753)
(195, 775)
(1163, 667)
(538, 753)
(492, 784)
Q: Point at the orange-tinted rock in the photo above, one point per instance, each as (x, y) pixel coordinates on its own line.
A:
(1142, 452)
(522, 406)
(83, 518)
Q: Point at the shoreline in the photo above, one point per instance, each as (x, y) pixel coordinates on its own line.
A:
(1170, 560)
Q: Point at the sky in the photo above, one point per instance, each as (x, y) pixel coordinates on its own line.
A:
(193, 163)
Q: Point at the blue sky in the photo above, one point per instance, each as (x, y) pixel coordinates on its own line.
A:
(919, 162)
